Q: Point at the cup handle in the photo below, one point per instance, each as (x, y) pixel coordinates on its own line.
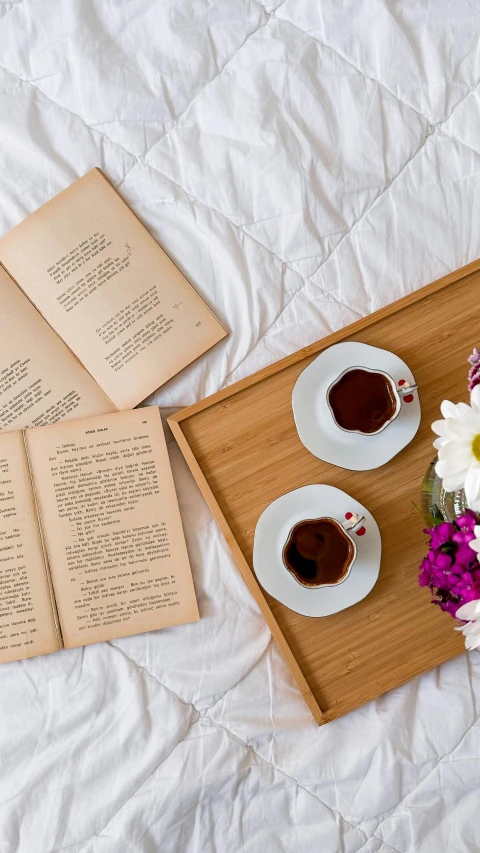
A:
(353, 523)
(406, 388)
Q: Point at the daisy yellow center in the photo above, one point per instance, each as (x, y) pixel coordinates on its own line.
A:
(476, 447)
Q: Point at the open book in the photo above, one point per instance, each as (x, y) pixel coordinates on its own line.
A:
(91, 541)
(94, 315)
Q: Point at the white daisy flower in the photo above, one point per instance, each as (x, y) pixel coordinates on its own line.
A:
(458, 448)
(475, 543)
(471, 631)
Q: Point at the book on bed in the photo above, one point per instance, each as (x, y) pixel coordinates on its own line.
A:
(91, 541)
(94, 315)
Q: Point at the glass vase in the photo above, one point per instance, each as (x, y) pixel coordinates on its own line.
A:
(438, 505)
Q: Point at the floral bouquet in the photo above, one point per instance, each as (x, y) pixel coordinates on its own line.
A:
(451, 569)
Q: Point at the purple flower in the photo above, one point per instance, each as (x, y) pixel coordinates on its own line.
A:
(463, 555)
(442, 534)
(447, 606)
(474, 372)
(467, 521)
(451, 569)
(443, 561)
(463, 536)
(474, 357)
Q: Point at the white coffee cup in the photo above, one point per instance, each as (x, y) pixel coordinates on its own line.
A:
(397, 392)
(292, 547)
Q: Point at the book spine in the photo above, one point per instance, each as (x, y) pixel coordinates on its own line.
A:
(58, 630)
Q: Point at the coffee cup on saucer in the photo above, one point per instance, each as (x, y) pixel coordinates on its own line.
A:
(320, 552)
(366, 401)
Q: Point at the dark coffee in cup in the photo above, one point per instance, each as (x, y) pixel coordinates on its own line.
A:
(319, 552)
(363, 400)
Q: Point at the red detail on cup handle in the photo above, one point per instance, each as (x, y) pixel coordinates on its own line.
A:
(361, 530)
(406, 390)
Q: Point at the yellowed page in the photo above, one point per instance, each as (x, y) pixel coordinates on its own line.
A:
(109, 290)
(41, 382)
(27, 623)
(112, 526)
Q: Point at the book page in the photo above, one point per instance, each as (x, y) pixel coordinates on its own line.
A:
(112, 526)
(27, 623)
(109, 290)
(41, 382)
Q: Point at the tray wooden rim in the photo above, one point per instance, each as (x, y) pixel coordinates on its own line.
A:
(176, 420)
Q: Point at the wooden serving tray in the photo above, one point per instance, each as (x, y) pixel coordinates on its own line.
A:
(243, 449)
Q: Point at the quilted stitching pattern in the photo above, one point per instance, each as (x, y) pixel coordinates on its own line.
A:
(304, 164)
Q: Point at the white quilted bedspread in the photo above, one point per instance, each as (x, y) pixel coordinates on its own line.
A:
(304, 163)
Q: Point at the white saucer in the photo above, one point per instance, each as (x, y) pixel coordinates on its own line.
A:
(314, 421)
(271, 533)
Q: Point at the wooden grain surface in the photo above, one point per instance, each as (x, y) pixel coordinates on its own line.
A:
(244, 451)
